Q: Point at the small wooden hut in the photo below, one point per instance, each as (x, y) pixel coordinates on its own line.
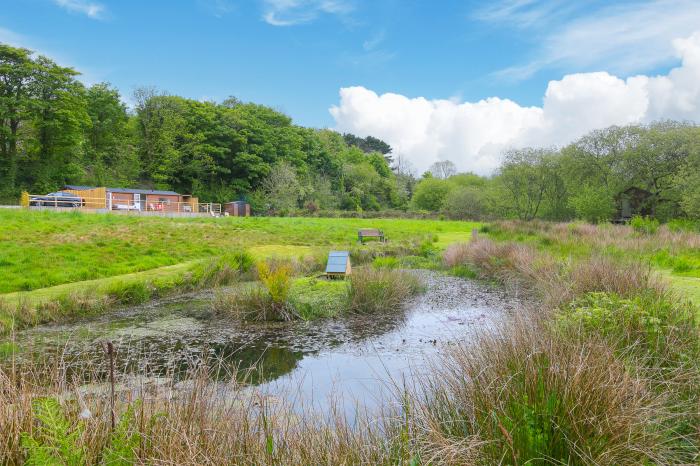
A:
(237, 209)
(338, 264)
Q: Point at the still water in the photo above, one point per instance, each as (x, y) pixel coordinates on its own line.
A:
(349, 362)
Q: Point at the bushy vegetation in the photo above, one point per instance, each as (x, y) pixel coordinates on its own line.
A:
(605, 321)
(280, 297)
(267, 302)
(644, 225)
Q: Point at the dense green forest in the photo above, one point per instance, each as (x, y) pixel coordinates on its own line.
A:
(55, 131)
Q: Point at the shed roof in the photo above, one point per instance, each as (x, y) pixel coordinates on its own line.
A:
(337, 261)
(122, 190)
(142, 191)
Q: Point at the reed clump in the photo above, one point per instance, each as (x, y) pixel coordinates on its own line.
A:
(528, 395)
(279, 297)
(267, 302)
(380, 290)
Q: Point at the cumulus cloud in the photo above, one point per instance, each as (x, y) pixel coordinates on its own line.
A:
(293, 12)
(474, 134)
(90, 9)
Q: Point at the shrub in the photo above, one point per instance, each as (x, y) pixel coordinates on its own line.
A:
(659, 327)
(430, 194)
(261, 303)
(644, 225)
(276, 280)
(465, 203)
(380, 290)
(683, 224)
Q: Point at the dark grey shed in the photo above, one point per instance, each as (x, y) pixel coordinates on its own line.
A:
(338, 264)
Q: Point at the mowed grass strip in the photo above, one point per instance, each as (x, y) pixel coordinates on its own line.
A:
(40, 249)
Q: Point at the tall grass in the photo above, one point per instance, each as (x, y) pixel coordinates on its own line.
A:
(278, 297)
(380, 290)
(47, 419)
(530, 396)
(623, 307)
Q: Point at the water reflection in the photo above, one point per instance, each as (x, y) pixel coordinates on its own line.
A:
(353, 358)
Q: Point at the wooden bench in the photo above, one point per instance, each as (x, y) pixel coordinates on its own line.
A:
(370, 233)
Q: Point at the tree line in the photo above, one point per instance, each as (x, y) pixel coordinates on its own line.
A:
(54, 131)
(653, 170)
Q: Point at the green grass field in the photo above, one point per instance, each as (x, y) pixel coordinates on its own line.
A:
(44, 255)
(44, 249)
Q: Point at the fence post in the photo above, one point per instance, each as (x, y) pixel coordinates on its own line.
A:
(475, 234)
(24, 199)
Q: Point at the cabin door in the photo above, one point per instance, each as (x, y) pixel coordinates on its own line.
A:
(140, 201)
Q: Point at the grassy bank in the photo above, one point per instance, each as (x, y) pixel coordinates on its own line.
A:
(43, 249)
(20, 310)
(57, 265)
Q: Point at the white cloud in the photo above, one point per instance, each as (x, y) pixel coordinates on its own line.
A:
(474, 134)
(292, 12)
(623, 38)
(374, 41)
(90, 9)
(218, 8)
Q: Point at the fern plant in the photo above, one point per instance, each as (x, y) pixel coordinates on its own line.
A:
(124, 441)
(56, 441)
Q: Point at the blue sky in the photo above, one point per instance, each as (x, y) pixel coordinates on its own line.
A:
(297, 55)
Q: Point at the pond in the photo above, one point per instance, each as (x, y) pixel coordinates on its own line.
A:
(351, 361)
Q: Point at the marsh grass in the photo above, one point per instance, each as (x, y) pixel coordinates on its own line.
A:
(626, 308)
(526, 395)
(46, 418)
(279, 297)
(380, 290)
(267, 302)
(666, 246)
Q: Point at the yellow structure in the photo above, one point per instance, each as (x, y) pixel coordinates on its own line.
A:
(95, 198)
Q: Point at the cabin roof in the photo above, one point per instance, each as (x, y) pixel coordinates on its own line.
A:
(74, 187)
